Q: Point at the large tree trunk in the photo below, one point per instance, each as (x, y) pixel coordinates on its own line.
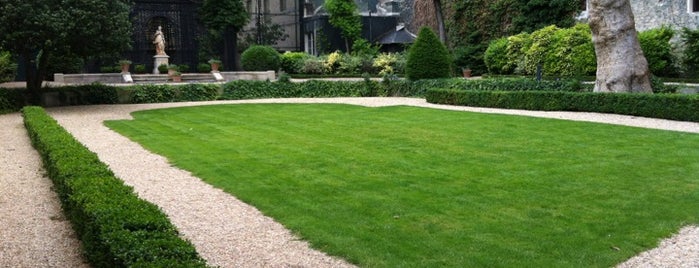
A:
(621, 66)
(230, 49)
(35, 67)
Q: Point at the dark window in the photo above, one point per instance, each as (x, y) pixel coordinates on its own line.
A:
(695, 5)
(282, 5)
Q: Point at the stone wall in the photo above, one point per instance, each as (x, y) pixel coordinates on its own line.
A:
(651, 14)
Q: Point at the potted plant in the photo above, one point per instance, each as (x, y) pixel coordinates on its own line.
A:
(125, 64)
(139, 68)
(176, 76)
(162, 68)
(171, 69)
(215, 65)
(467, 72)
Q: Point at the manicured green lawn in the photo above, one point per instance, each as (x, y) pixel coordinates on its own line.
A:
(415, 187)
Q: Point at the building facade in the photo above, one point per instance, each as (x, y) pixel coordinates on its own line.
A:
(650, 14)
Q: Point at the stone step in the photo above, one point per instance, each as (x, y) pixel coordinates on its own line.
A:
(164, 78)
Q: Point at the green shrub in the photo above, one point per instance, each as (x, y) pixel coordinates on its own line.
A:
(495, 57)
(690, 59)
(167, 93)
(10, 100)
(517, 45)
(314, 65)
(470, 56)
(8, 68)
(110, 69)
(152, 93)
(292, 62)
(140, 68)
(665, 106)
(163, 68)
(183, 68)
(203, 68)
(655, 44)
(117, 229)
(260, 58)
(198, 92)
(427, 58)
(560, 52)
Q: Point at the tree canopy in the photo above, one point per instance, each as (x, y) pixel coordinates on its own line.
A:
(344, 16)
(225, 17)
(37, 30)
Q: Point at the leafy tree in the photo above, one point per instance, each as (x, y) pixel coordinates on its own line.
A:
(7, 67)
(344, 16)
(690, 61)
(428, 58)
(226, 17)
(37, 30)
(265, 33)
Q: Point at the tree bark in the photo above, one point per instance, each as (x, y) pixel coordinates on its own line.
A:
(230, 49)
(621, 66)
(440, 21)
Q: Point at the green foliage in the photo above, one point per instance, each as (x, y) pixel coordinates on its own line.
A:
(220, 15)
(260, 58)
(117, 229)
(203, 68)
(292, 62)
(496, 57)
(665, 106)
(427, 58)
(471, 57)
(414, 187)
(560, 52)
(10, 100)
(140, 68)
(94, 93)
(163, 68)
(344, 16)
(8, 68)
(40, 30)
(473, 24)
(655, 44)
(690, 38)
(167, 93)
(265, 33)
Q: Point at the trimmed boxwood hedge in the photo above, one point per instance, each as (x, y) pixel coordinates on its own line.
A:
(665, 106)
(117, 229)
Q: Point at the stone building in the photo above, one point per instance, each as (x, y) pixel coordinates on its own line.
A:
(650, 14)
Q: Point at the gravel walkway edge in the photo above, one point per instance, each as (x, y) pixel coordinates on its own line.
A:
(230, 233)
(33, 230)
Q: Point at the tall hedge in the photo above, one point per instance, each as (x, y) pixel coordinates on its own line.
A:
(428, 58)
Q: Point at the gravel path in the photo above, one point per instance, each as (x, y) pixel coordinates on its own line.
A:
(229, 233)
(33, 231)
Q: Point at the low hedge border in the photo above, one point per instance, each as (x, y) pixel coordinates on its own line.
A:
(664, 106)
(117, 229)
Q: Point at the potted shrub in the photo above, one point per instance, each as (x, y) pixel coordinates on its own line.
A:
(203, 68)
(125, 64)
(162, 68)
(467, 72)
(215, 65)
(171, 69)
(139, 68)
(176, 76)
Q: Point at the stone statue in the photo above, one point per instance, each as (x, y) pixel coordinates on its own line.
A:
(159, 41)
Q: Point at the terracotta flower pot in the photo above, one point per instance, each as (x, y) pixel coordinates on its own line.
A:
(467, 73)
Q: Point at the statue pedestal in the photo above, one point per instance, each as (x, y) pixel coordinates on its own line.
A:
(160, 60)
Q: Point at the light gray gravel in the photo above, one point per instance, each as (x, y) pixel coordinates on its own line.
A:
(230, 233)
(33, 231)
